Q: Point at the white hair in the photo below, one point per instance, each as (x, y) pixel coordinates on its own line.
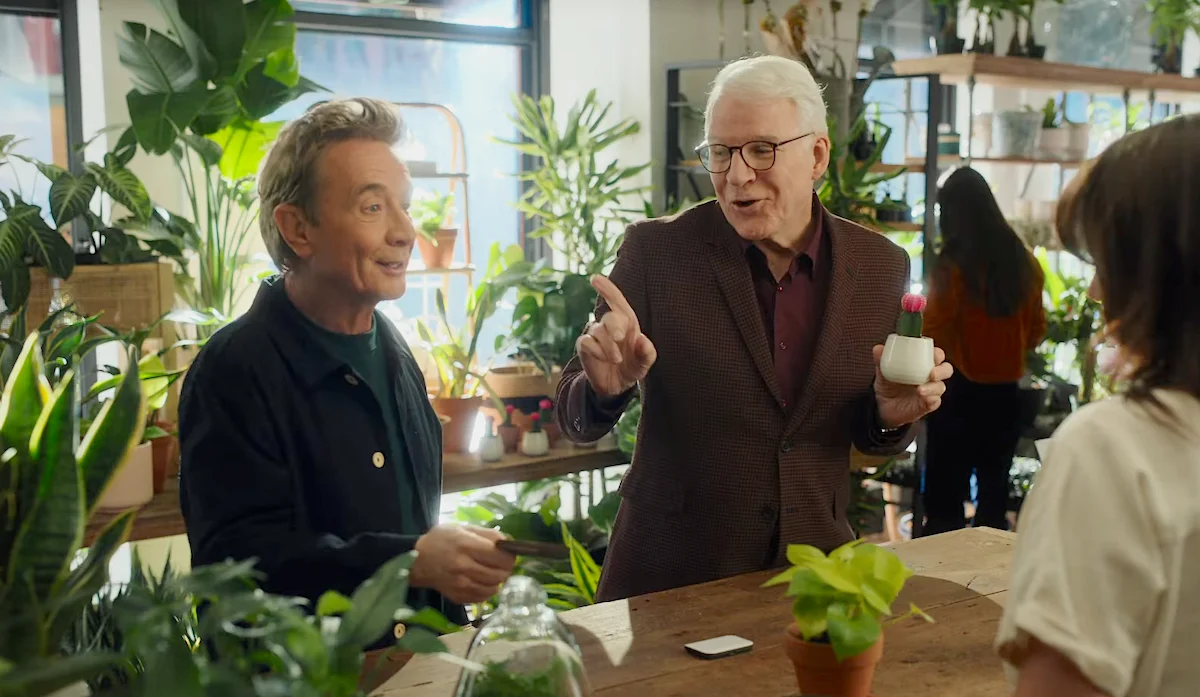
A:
(771, 77)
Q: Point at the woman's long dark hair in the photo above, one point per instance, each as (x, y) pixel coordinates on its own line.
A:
(996, 267)
(1136, 214)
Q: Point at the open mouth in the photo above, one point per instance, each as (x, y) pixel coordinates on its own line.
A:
(393, 267)
(746, 204)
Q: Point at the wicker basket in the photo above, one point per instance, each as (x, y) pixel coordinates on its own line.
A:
(128, 295)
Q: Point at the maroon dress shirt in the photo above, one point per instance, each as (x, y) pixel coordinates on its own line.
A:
(792, 306)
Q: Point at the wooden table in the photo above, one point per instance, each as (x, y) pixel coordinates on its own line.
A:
(634, 648)
(161, 517)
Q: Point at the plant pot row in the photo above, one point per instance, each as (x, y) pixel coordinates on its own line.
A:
(1019, 134)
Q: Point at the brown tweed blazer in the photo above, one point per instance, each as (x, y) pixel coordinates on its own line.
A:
(723, 476)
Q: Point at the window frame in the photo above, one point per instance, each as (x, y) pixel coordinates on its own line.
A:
(532, 35)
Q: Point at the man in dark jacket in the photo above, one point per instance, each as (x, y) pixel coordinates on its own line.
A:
(308, 441)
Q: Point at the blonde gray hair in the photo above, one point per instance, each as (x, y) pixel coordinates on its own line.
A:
(289, 171)
(771, 77)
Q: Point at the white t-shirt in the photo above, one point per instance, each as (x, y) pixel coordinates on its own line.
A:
(1107, 563)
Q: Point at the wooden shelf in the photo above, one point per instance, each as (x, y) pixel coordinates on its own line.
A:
(456, 268)
(162, 517)
(1003, 71)
(885, 228)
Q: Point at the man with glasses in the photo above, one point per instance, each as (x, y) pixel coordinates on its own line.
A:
(753, 327)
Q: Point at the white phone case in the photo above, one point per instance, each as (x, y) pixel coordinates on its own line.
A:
(719, 647)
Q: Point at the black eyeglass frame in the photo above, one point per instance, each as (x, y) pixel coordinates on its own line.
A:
(738, 149)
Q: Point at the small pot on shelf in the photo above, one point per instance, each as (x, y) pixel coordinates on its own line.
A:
(535, 442)
(438, 253)
(907, 355)
(456, 434)
(133, 484)
(491, 447)
(510, 433)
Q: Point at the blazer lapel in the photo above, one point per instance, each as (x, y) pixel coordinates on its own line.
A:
(837, 309)
(733, 277)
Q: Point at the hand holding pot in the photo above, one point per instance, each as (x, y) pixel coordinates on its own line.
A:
(910, 372)
(614, 352)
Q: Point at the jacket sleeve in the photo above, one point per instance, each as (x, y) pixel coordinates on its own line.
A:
(866, 429)
(241, 499)
(582, 415)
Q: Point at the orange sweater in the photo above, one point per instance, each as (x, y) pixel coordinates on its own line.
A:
(982, 348)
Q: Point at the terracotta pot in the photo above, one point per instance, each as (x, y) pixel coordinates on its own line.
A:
(456, 433)
(553, 432)
(165, 453)
(511, 435)
(819, 673)
(133, 484)
(438, 256)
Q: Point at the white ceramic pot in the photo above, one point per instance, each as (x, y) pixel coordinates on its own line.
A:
(534, 444)
(1078, 140)
(907, 360)
(491, 449)
(1053, 143)
(134, 483)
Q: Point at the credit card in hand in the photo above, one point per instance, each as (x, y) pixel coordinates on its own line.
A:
(547, 550)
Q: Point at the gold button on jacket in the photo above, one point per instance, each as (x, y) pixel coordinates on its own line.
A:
(377, 460)
(399, 630)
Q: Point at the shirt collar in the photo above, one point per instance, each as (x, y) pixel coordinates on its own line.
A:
(806, 260)
(310, 361)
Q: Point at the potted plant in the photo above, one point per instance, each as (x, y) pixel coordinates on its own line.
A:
(510, 433)
(1170, 21)
(491, 447)
(849, 188)
(841, 600)
(1053, 142)
(535, 442)
(546, 410)
(53, 482)
(1015, 133)
(907, 355)
(431, 212)
(461, 382)
(948, 40)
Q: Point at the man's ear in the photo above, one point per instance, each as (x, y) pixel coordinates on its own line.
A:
(821, 154)
(295, 229)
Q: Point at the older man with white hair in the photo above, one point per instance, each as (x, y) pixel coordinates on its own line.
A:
(752, 326)
(308, 442)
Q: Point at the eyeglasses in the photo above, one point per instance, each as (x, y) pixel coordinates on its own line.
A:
(759, 155)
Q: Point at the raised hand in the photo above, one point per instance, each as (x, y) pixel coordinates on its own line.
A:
(461, 562)
(614, 351)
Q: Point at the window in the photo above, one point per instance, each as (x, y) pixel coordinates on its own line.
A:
(484, 13)
(475, 77)
(31, 80)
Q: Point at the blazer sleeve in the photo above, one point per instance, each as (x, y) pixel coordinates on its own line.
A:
(582, 415)
(240, 495)
(866, 430)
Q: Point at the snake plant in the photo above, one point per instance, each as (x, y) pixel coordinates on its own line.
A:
(50, 483)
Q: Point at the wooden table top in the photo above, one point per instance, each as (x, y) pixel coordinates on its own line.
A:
(161, 517)
(634, 647)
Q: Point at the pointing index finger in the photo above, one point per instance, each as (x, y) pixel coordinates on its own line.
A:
(614, 297)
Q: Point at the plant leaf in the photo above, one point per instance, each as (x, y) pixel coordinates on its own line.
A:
(220, 26)
(53, 530)
(70, 196)
(375, 603)
(427, 617)
(49, 249)
(332, 603)
(45, 676)
(851, 633)
(802, 555)
(158, 118)
(156, 63)
(124, 187)
(420, 640)
(114, 434)
(244, 144)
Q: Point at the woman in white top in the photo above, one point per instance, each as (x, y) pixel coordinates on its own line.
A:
(1105, 591)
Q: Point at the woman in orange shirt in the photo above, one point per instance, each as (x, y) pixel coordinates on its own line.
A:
(985, 310)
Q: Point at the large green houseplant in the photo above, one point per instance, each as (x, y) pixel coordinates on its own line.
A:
(50, 483)
(201, 93)
(840, 602)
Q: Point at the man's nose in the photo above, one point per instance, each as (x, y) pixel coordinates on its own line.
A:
(401, 230)
(739, 172)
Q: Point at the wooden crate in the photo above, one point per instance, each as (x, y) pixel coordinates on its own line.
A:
(128, 295)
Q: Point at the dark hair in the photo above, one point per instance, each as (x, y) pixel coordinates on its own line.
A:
(1136, 215)
(995, 264)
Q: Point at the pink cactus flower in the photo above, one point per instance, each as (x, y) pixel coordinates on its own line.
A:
(912, 302)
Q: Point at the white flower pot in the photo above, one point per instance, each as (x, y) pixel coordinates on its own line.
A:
(133, 484)
(1015, 133)
(1053, 143)
(491, 449)
(1078, 140)
(907, 360)
(534, 444)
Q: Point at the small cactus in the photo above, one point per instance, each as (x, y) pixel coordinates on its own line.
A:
(536, 420)
(910, 324)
